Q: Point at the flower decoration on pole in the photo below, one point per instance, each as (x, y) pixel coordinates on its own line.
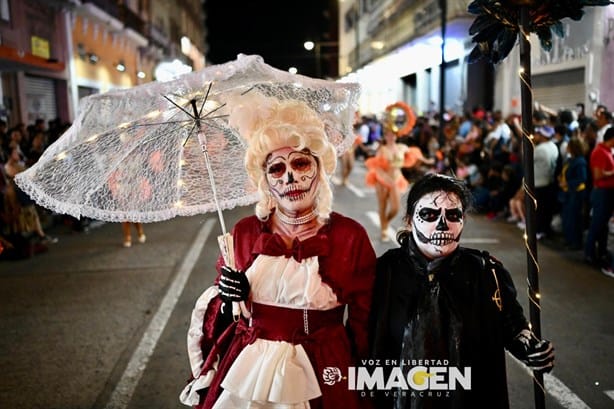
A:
(495, 29)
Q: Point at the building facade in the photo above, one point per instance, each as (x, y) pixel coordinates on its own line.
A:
(574, 71)
(393, 48)
(33, 61)
(47, 64)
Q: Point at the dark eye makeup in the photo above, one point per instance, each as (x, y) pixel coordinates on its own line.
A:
(277, 170)
(301, 164)
(454, 215)
(430, 215)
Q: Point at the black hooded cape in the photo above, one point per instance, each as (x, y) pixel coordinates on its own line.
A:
(461, 309)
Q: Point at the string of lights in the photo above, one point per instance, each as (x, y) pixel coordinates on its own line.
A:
(528, 148)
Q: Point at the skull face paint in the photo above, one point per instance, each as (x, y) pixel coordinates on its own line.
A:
(437, 223)
(293, 179)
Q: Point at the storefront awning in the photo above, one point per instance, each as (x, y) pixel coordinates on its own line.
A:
(16, 60)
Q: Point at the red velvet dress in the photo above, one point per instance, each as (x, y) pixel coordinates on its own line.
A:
(296, 343)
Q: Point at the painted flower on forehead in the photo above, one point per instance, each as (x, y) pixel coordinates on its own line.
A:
(437, 223)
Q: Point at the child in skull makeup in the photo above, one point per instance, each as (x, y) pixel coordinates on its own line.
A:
(435, 301)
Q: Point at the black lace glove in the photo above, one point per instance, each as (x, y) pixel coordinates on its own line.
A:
(233, 285)
(536, 354)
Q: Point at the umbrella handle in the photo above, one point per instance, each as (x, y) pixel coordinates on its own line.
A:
(226, 244)
(236, 311)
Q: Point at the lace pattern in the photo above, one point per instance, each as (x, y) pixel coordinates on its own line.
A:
(134, 155)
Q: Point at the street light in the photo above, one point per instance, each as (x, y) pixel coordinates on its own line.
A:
(317, 45)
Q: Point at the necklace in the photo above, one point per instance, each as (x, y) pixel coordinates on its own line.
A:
(295, 221)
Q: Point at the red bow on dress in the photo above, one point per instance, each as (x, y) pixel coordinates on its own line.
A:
(273, 245)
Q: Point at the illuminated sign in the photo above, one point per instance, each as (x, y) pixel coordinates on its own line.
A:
(40, 47)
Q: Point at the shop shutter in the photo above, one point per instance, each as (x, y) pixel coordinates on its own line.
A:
(453, 86)
(40, 98)
(562, 89)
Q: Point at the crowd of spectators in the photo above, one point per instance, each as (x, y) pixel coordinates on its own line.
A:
(22, 222)
(485, 149)
(572, 165)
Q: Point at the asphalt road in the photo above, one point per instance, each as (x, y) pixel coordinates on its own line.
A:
(90, 324)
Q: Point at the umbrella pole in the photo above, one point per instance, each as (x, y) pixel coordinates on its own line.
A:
(203, 145)
(526, 94)
(225, 240)
(202, 139)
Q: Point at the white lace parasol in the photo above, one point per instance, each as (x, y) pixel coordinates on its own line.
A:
(139, 154)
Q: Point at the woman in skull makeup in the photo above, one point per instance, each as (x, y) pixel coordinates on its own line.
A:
(440, 305)
(298, 265)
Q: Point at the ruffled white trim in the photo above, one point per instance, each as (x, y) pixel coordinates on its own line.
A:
(297, 284)
(189, 395)
(227, 400)
(36, 189)
(195, 332)
(271, 371)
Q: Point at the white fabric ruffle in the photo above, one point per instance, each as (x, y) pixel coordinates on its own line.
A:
(285, 282)
(266, 374)
(277, 374)
(195, 332)
(189, 395)
(226, 400)
(270, 371)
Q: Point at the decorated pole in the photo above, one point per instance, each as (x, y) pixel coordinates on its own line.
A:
(526, 96)
(495, 30)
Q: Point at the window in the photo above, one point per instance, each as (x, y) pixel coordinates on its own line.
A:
(5, 13)
(369, 5)
(350, 18)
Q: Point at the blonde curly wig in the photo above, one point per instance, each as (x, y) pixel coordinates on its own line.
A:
(268, 124)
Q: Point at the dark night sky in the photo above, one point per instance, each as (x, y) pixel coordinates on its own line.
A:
(274, 29)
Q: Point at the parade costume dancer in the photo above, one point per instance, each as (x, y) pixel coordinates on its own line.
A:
(437, 302)
(384, 173)
(299, 265)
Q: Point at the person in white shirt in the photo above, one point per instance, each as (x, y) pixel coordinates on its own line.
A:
(497, 139)
(544, 164)
(603, 118)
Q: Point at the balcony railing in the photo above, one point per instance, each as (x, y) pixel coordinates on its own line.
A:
(132, 20)
(121, 13)
(111, 7)
(381, 15)
(157, 37)
(399, 21)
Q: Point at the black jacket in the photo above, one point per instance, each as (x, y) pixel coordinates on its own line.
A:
(448, 310)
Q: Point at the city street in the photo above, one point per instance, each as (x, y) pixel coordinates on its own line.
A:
(90, 324)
